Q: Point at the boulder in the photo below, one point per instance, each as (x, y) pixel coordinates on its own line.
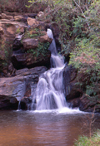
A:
(8, 102)
(21, 86)
(25, 103)
(32, 21)
(44, 39)
(22, 60)
(30, 43)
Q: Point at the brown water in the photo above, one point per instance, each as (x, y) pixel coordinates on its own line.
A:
(25, 128)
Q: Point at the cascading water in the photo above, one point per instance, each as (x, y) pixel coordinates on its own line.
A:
(50, 89)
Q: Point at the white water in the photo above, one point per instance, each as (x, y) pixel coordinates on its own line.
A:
(50, 89)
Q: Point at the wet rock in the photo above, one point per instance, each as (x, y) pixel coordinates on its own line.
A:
(74, 93)
(56, 32)
(32, 59)
(71, 89)
(73, 103)
(33, 71)
(19, 87)
(8, 102)
(11, 70)
(18, 60)
(66, 80)
(25, 103)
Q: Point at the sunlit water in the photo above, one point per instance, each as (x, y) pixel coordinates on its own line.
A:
(40, 128)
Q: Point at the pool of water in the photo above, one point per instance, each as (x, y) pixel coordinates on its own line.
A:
(52, 128)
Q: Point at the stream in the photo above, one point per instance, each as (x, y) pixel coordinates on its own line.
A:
(42, 128)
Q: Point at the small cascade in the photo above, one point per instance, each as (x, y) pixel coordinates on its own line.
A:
(19, 106)
(50, 89)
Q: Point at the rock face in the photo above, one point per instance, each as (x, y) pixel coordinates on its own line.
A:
(32, 22)
(30, 44)
(23, 41)
(23, 85)
(32, 49)
(75, 92)
(8, 30)
(89, 104)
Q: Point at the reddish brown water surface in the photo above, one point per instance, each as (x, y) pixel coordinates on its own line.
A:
(25, 128)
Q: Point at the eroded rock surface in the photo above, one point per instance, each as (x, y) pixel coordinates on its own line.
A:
(23, 85)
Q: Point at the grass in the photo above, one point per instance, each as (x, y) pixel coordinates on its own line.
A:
(85, 141)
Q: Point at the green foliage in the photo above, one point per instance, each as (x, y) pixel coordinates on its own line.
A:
(85, 141)
(33, 33)
(86, 53)
(41, 50)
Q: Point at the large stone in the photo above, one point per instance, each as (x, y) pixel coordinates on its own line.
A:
(30, 60)
(8, 102)
(19, 87)
(32, 21)
(30, 43)
(44, 39)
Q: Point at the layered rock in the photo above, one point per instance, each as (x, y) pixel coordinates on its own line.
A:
(8, 31)
(23, 85)
(24, 41)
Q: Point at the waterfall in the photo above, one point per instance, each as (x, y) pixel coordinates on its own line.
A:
(50, 90)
